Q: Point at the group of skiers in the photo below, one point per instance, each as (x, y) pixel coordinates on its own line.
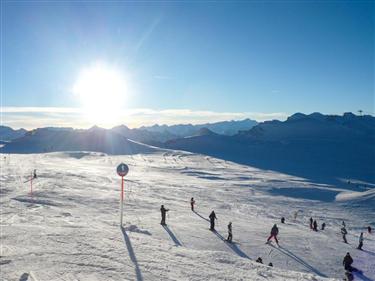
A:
(314, 225)
(347, 262)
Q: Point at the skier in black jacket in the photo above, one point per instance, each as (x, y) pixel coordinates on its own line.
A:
(229, 239)
(212, 217)
(163, 213)
(360, 245)
(344, 232)
(315, 226)
(347, 262)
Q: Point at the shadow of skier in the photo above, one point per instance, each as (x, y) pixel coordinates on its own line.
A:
(132, 255)
(199, 215)
(369, 252)
(171, 234)
(232, 246)
(360, 276)
(299, 260)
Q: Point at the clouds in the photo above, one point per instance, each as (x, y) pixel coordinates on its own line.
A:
(34, 117)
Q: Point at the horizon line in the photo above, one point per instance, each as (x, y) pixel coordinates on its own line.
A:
(31, 118)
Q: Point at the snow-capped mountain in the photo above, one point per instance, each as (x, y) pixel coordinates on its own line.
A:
(326, 148)
(223, 128)
(93, 139)
(7, 133)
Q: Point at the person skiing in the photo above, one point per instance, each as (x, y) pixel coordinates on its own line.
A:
(343, 224)
(229, 239)
(360, 245)
(347, 262)
(274, 233)
(311, 223)
(315, 226)
(212, 217)
(34, 175)
(369, 229)
(259, 260)
(344, 232)
(282, 220)
(192, 202)
(163, 213)
(323, 225)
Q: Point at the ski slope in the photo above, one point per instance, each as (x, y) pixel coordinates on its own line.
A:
(69, 229)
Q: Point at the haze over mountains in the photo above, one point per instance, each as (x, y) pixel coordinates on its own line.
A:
(154, 135)
(327, 148)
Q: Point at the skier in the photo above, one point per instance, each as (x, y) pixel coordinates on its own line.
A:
(360, 241)
(192, 202)
(282, 220)
(311, 223)
(229, 239)
(212, 217)
(343, 224)
(163, 213)
(315, 226)
(347, 262)
(369, 229)
(34, 176)
(323, 225)
(274, 233)
(259, 259)
(344, 232)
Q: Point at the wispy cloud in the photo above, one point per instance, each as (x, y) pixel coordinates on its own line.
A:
(34, 117)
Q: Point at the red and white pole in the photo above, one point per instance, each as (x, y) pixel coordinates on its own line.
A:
(122, 171)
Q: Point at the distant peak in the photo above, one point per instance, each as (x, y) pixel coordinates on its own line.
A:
(297, 116)
(204, 132)
(95, 128)
(348, 115)
(121, 127)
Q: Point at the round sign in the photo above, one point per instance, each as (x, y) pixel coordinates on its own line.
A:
(122, 170)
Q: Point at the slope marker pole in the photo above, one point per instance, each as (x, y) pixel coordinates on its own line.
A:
(122, 171)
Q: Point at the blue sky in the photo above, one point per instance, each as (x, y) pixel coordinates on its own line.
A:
(205, 61)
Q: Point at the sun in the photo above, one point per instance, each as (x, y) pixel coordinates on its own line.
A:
(101, 90)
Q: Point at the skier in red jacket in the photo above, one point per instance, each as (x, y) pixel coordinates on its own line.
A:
(274, 233)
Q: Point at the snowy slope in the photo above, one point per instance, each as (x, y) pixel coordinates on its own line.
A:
(69, 229)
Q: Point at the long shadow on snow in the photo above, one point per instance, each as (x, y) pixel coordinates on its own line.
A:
(360, 276)
(199, 215)
(369, 252)
(325, 195)
(233, 246)
(299, 260)
(132, 255)
(171, 234)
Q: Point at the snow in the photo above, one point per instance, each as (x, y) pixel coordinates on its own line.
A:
(69, 229)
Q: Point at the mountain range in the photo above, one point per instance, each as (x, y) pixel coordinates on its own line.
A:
(323, 148)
